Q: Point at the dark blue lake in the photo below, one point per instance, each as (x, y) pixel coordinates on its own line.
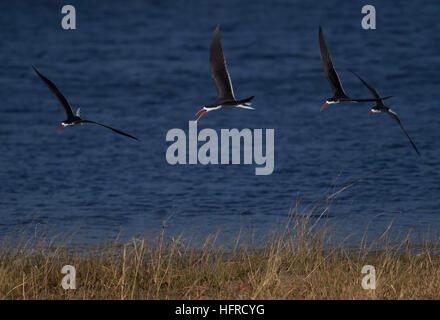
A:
(143, 67)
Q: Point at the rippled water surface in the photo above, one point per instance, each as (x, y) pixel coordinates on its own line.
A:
(142, 66)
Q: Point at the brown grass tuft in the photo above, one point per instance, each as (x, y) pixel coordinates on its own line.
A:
(298, 260)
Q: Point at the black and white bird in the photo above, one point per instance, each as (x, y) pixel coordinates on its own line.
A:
(73, 119)
(339, 95)
(222, 80)
(381, 108)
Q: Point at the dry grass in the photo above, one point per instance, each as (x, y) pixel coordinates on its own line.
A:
(297, 261)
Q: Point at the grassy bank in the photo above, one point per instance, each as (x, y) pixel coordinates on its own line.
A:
(296, 261)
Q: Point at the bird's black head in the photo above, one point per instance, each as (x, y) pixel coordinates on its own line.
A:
(207, 108)
(202, 112)
(376, 109)
(331, 100)
(64, 124)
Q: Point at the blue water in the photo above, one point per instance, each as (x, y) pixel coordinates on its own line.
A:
(142, 66)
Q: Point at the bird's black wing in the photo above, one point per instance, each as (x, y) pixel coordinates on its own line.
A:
(378, 99)
(113, 129)
(369, 100)
(217, 67)
(372, 90)
(329, 70)
(394, 116)
(58, 95)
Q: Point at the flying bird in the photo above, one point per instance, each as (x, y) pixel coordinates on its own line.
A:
(339, 95)
(381, 108)
(222, 80)
(73, 119)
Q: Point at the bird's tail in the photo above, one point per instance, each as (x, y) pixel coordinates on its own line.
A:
(245, 103)
(246, 100)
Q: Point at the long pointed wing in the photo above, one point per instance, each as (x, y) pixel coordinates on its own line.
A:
(217, 67)
(378, 99)
(369, 100)
(58, 95)
(113, 129)
(394, 116)
(329, 70)
(373, 92)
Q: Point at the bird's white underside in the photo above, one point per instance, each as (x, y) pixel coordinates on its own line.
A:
(381, 111)
(246, 106)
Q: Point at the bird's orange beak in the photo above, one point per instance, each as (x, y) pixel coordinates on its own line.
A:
(325, 105)
(62, 127)
(202, 114)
